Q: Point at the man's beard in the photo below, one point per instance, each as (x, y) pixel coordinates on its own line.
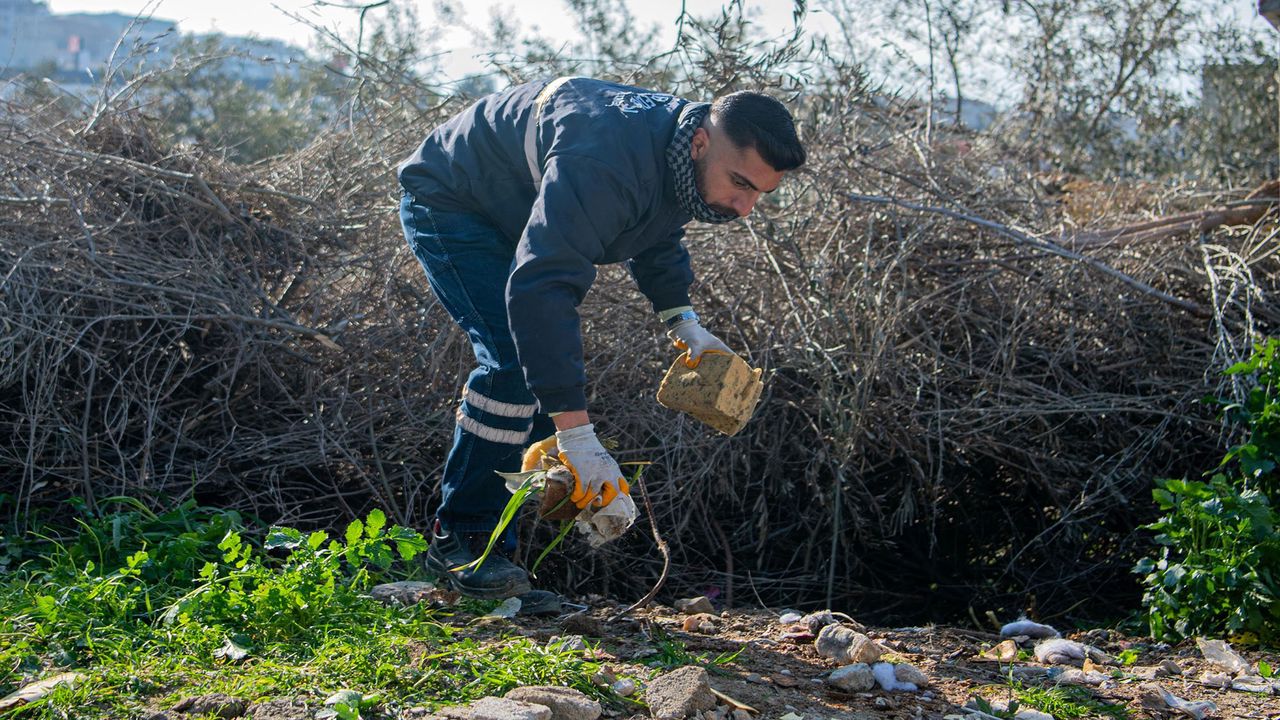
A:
(700, 179)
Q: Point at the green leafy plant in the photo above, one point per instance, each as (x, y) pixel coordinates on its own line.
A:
(1218, 567)
(247, 593)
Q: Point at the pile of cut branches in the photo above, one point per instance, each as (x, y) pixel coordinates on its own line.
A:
(967, 396)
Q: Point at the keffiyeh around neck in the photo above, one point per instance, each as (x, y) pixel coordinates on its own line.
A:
(681, 163)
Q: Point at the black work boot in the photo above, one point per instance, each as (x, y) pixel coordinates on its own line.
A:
(495, 578)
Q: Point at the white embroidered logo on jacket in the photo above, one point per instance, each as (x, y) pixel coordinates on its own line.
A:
(632, 102)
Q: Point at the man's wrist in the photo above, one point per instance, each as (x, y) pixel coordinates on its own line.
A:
(570, 419)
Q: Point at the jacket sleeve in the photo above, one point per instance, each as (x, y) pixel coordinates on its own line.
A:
(663, 274)
(583, 205)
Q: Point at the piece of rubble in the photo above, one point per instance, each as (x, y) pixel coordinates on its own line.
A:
(404, 593)
(280, 709)
(852, 678)
(704, 623)
(887, 677)
(565, 703)
(1076, 676)
(1032, 715)
(907, 673)
(847, 646)
(1220, 654)
(818, 620)
(789, 617)
(1004, 652)
(679, 693)
(219, 705)
(1170, 667)
(567, 642)
(693, 606)
(1026, 627)
(1153, 696)
(495, 708)
(626, 687)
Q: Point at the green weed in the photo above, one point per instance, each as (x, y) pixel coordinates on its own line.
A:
(152, 608)
(1219, 565)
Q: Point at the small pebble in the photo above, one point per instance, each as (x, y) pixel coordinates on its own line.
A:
(626, 687)
(882, 702)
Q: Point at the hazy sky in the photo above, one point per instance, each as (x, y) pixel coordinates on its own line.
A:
(271, 18)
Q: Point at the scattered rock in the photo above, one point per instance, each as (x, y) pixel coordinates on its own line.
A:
(853, 678)
(1220, 654)
(219, 705)
(1005, 652)
(1028, 628)
(789, 617)
(906, 673)
(1154, 697)
(1032, 715)
(406, 593)
(701, 623)
(741, 714)
(847, 646)
(161, 715)
(1076, 676)
(679, 693)
(280, 709)
(568, 642)
(693, 606)
(1170, 667)
(565, 703)
(626, 687)
(494, 708)
(785, 680)
(582, 624)
(756, 678)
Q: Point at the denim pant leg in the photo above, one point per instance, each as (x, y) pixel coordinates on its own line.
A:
(467, 262)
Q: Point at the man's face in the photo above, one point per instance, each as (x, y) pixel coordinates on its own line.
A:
(730, 179)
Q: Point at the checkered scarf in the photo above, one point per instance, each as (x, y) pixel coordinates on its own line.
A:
(681, 163)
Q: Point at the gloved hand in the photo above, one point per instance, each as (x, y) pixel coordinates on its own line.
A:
(689, 335)
(596, 474)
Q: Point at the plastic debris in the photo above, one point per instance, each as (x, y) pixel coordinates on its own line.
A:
(1155, 697)
(1219, 653)
(887, 677)
(1034, 630)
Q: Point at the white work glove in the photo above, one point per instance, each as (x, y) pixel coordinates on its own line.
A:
(689, 335)
(596, 475)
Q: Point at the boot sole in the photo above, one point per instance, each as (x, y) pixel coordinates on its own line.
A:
(512, 589)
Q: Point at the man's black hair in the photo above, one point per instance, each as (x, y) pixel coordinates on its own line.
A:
(755, 120)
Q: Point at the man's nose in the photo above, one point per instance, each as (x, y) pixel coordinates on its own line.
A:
(743, 203)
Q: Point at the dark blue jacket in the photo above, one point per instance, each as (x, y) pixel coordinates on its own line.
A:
(606, 196)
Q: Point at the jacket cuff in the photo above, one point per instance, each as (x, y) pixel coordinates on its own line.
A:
(561, 399)
(669, 299)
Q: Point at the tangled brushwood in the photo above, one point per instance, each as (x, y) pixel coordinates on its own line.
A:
(968, 388)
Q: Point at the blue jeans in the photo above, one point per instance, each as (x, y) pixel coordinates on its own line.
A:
(467, 261)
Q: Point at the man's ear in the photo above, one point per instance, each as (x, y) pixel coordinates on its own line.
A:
(699, 144)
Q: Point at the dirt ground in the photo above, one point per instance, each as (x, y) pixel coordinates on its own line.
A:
(780, 672)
